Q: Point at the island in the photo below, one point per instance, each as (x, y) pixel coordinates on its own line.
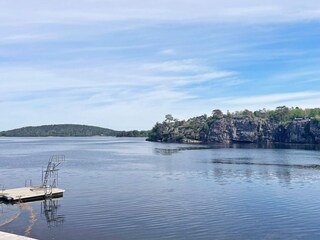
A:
(70, 130)
(282, 125)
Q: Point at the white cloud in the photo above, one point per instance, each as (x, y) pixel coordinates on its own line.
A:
(102, 67)
(184, 66)
(303, 99)
(273, 98)
(22, 38)
(104, 49)
(303, 74)
(168, 51)
(85, 94)
(115, 75)
(84, 11)
(200, 106)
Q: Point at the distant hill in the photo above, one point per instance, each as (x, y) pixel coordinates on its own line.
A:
(60, 130)
(69, 130)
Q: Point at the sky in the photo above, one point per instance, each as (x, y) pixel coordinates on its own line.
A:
(125, 64)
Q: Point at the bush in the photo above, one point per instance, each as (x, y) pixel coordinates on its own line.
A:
(317, 118)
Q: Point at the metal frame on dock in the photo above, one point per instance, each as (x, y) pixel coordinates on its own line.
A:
(48, 189)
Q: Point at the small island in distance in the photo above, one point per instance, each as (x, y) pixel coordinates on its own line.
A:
(282, 125)
(70, 130)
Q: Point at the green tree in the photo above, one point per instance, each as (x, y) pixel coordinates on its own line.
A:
(248, 113)
(217, 114)
(169, 118)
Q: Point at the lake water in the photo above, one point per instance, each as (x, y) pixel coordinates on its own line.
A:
(127, 188)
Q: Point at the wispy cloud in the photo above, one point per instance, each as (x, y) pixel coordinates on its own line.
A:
(95, 61)
(23, 38)
(104, 49)
(103, 87)
(168, 51)
(304, 99)
(272, 98)
(184, 66)
(116, 77)
(303, 74)
(85, 11)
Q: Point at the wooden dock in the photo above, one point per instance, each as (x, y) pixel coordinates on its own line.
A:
(26, 194)
(10, 236)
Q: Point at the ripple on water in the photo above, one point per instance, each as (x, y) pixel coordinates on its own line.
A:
(123, 189)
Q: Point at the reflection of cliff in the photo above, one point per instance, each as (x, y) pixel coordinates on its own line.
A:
(171, 151)
(222, 175)
(232, 162)
(237, 130)
(229, 170)
(165, 151)
(49, 208)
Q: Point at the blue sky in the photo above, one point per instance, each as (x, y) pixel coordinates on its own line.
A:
(125, 64)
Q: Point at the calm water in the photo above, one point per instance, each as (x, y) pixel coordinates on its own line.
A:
(121, 188)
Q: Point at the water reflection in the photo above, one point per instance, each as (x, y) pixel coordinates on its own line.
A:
(165, 151)
(313, 147)
(12, 212)
(226, 171)
(8, 213)
(49, 209)
(237, 162)
(224, 176)
(146, 190)
(171, 151)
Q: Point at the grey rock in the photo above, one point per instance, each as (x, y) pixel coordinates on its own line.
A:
(242, 130)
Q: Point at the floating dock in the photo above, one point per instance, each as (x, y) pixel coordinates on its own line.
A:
(48, 189)
(10, 236)
(26, 194)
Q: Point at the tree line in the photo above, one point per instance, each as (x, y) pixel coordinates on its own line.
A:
(174, 130)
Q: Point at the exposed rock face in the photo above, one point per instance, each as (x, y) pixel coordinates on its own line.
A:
(303, 131)
(315, 131)
(259, 130)
(241, 129)
(220, 131)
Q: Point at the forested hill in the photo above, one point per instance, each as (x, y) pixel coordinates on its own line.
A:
(69, 130)
(61, 130)
(284, 125)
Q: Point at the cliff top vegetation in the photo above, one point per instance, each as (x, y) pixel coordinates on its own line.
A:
(199, 128)
(280, 114)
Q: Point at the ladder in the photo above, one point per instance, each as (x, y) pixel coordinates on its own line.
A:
(50, 175)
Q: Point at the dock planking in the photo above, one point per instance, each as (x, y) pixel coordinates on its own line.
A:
(26, 194)
(48, 189)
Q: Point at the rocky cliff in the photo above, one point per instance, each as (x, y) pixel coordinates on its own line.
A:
(237, 129)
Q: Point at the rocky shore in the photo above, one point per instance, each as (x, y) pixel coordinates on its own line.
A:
(237, 130)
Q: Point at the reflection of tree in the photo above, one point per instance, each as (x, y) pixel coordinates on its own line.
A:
(49, 208)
